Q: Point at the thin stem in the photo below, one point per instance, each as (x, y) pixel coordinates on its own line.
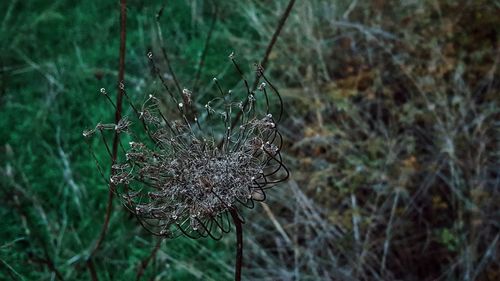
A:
(164, 51)
(205, 50)
(49, 263)
(91, 268)
(116, 139)
(146, 262)
(269, 48)
(276, 34)
(239, 244)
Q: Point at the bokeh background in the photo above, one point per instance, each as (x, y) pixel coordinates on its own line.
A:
(391, 133)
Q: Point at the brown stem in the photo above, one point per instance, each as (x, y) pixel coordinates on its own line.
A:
(91, 268)
(50, 264)
(116, 139)
(277, 32)
(146, 262)
(239, 244)
(269, 48)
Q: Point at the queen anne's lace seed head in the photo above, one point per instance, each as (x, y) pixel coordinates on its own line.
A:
(185, 179)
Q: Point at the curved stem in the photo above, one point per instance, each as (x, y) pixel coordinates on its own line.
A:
(239, 244)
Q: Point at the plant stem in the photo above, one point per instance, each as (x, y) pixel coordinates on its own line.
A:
(116, 139)
(276, 34)
(269, 48)
(118, 116)
(239, 244)
(146, 262)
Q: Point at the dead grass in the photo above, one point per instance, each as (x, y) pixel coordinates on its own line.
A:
(393, 132)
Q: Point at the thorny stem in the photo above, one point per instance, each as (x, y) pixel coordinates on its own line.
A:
(116, 139)
(239, 244)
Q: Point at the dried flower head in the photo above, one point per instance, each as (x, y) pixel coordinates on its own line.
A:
(186, 178)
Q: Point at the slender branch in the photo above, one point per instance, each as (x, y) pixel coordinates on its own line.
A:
(50, 265)
(269, 48)
(116, 139)
(91, 268)
(201, 63)
(239, 244)
(164, 51)
(146, 262)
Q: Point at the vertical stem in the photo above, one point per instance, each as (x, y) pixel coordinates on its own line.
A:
(116, 139)
(239, 244)
(118, 116)
(121, 70)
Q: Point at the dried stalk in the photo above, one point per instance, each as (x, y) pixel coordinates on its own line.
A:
(239, 244)
(269, 48)
(116, 139)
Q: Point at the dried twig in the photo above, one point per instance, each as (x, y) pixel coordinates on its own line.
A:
(276, 34)
(239, 244)
(116, 139)
(276, 223)
(50, 264)
(269, 48)
(145, 262)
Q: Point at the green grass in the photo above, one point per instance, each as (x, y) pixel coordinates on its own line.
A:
(390, 129)
(55, 57)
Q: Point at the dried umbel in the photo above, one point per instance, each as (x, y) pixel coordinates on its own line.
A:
(185, 178)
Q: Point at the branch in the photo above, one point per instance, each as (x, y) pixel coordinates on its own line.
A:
(269, 48)
(146, 262)
(116, 139)
(239, 245)
(277, 32)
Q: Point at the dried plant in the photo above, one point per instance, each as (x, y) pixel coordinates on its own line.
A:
(187, 177)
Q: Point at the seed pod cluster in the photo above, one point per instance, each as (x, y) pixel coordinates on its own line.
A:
(184, 178)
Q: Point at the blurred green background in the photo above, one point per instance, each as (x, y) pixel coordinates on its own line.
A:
(391, 131)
